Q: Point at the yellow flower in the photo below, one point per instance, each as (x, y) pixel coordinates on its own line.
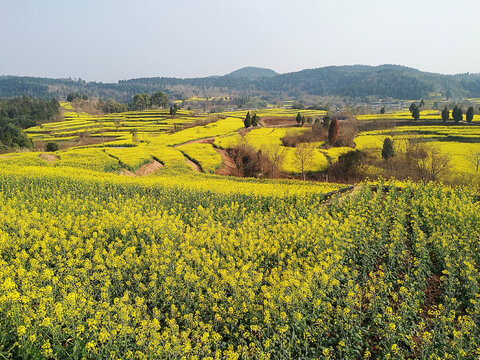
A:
(21, 330)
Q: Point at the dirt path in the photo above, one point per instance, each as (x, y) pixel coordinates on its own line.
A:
(149, 168)
(49, 157)
(228, 166)
(208, 140)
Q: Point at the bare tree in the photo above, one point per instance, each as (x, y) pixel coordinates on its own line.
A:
(474, 157)
(304, 153)
(275, 154)
(428, 162)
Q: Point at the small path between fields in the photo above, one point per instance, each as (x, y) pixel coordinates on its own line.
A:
(208, 140)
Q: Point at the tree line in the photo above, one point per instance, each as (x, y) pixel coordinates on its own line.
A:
(20, 113)
(345, 81)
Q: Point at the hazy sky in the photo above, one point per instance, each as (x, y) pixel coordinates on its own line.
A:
(109, 40)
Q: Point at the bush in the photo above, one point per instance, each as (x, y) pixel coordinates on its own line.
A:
(51, 147)
(349, 167)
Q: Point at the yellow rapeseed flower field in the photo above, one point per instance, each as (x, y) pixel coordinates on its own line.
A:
(97, 266)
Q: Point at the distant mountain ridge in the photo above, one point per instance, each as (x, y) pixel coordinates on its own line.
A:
(349, 81)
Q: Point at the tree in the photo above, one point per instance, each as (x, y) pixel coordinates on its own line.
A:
(326, 121)
(457, 114)
(298, 118)
(333, 131)
(382, 110)
(303, 120)
(416, 113)
(388, 151)
(474, 158)
(304, 153)
(141, 102)
(173, 110)
(309, 120)
(428, 163)
(412, 107)
(248, 120)
(445, 114)
(159, 99)
(469, 114)
(275, 153)
(422, 104)
(255, 120)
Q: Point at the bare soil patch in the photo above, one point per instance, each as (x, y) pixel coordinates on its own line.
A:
(49, 157)
(228, 166)
(149, 168)
(276, 121)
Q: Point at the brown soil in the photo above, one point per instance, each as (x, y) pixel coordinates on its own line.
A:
(433, 291)
(49, 157)
(228, 166)
(125, 172)
(147, 169)
(194, 166)
(278, 121)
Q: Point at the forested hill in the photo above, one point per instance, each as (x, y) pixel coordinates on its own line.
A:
(356, 81)
(252, 73)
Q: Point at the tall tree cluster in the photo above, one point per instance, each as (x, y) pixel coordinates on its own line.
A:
(20, 113)
(145, 101)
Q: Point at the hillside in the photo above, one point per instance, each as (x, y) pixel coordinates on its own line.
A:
(358, 81)
(251, 72)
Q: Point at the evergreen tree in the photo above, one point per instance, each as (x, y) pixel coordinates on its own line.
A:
(412, 107)
(298, 118)
(173, 110)
(248, 120)
(382, 110)
(454, 112)
(255, 120)
(445, 114)
(388, 151)
(416, 113)
(457, 114)
(469, 114)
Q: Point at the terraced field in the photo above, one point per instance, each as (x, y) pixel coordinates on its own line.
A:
(460, 142)
(191, 141)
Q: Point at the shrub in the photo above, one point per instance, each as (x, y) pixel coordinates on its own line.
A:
(51, 147)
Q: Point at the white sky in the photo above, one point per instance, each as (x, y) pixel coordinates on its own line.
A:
(109, 40)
